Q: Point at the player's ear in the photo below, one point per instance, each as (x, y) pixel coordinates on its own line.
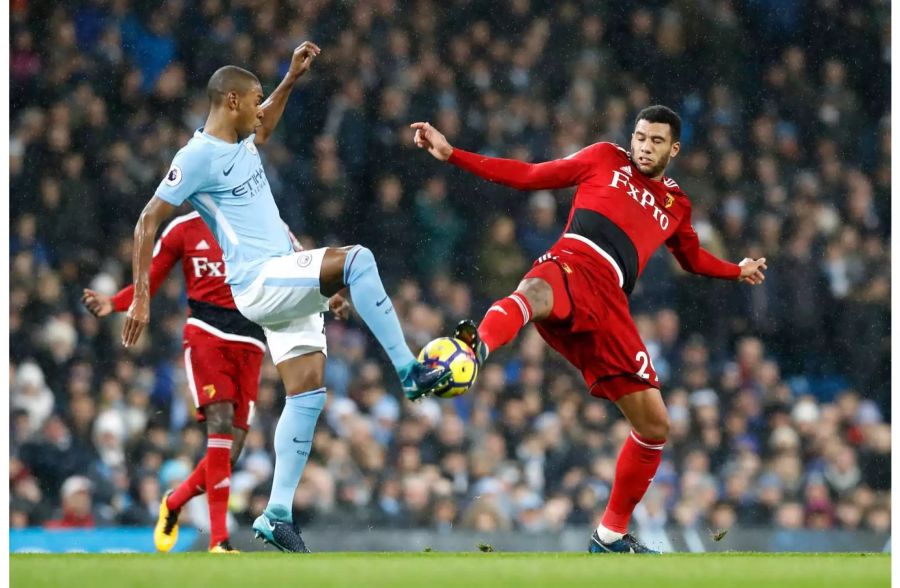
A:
(232, 99)
(676, 147)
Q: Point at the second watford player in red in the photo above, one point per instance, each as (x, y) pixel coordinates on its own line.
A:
(577, 293)
(223, 354)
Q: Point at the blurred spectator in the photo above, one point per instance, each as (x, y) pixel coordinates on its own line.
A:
(77, 506)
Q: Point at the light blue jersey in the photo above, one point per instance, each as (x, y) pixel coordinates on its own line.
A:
(225, 183)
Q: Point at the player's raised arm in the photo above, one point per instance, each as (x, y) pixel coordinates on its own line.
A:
(685, 246)
(156, 211)
(273, 106)
(559, 173)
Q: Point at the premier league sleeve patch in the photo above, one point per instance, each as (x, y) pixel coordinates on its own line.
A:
(173, 178)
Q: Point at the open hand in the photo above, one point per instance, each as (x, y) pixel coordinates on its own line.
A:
(432, 140)
(136, 319)
(303, 57)
(752, 271)
(97, 304)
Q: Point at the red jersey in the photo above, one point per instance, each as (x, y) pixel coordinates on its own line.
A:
(618, 212)
(188, 239)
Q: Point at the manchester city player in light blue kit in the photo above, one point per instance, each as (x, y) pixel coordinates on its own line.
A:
(220, 173)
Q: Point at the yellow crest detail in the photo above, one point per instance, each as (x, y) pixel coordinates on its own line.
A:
(670, 200)
(210, 390)
(566, 267)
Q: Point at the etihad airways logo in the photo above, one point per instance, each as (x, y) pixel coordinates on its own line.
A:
(645, 198)
(253, 185)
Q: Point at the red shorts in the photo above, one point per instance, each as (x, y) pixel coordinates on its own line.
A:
(599, 337)
(219, 370)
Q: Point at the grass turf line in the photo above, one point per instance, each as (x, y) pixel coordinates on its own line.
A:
(437, 570)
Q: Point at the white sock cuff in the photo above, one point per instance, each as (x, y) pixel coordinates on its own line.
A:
(523, 306)
(608, 535)
(647, 445)
(219, 443)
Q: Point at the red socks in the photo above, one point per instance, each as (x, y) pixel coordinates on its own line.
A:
(503, 321)
(193, 485)
(213, 473)
(638, 462)
(218, 485)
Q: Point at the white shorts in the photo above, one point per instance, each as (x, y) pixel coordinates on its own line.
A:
(286, 302)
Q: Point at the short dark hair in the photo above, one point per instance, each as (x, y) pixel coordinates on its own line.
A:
(662, 114)
(227, 79)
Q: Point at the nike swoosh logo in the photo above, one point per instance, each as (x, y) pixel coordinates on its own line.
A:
(379, 303)
(605, 548)
(298, 441)
(228, 171)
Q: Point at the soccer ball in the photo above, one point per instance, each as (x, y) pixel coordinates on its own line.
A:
(458, 358)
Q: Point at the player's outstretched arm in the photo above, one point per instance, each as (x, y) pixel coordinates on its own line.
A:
(559, 173)
(156, 211)
(685, 246)
(273, 106)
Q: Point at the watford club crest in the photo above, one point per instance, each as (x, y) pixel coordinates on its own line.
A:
(670, 200)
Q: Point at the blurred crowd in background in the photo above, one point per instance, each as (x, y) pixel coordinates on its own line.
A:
(778, 395)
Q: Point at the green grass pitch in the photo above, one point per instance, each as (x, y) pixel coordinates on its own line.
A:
(435, 570)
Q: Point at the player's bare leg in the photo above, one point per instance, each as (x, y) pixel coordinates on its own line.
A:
(239, 436)
(646, 411)
(540, 295)
(354, 268)
(637, 464)
(306, 372)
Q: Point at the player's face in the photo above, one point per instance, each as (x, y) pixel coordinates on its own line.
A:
(249, 113)
(652, 147)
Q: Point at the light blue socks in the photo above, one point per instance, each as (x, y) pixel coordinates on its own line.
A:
(374, 306)
(293, 444)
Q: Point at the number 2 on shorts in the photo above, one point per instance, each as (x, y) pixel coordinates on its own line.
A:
(645, 362)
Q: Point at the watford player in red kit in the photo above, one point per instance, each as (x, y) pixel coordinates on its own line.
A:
(577, 293)
(223, 353)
